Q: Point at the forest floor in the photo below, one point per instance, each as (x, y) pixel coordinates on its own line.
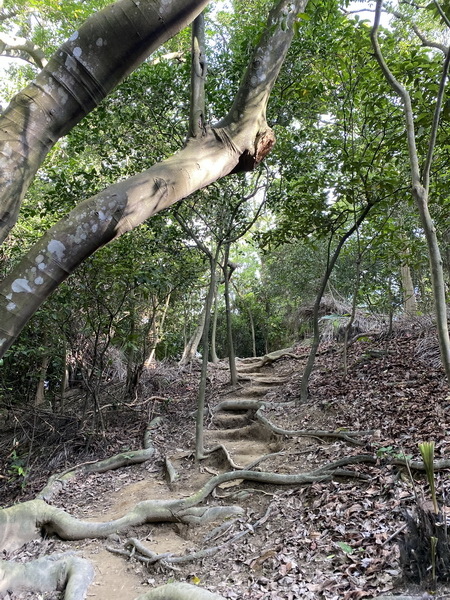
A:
(335, 539)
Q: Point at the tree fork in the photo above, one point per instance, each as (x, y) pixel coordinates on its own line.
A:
(125, 205)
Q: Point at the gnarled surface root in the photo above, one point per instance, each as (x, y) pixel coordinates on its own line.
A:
(56, 572)
(20, 523)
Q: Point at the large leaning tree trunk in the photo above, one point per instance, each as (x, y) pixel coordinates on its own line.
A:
(83, 71)
(238, 142)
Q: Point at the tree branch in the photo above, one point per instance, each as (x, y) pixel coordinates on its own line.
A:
(401, 92)
(435, 125)
(197, 115)
(240, 145)
(18, 47)
(85, 69)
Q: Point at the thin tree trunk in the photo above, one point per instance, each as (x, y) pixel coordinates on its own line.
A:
(252, 329)
(40, 391)
(157, 329)
(190, 349)
(409, 296)
(227, 271)
(352, 316)
(64, 376)
(199, 437)
(316, 333)
(214, 357)
(420, 183)
(437, 276)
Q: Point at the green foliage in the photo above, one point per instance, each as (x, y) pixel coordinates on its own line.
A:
(340, 146)
(17, 469)
(391, 452)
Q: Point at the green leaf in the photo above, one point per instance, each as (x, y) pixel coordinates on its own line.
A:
(345, 547)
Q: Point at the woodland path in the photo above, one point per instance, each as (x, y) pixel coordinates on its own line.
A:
(245, 442)
(331, 538)
(110, 495)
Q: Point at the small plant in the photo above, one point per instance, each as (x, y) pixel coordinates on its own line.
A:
(17, 468)
(433, 542)
(427, 452)
(391, 452)
(424, 548)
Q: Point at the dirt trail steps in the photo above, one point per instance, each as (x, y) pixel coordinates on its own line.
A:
(97, 496)
(246, 440)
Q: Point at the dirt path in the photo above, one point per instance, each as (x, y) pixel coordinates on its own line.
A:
(326, 540)
(113, 494)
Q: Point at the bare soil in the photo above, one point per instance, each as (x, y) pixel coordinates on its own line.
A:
(326, 540)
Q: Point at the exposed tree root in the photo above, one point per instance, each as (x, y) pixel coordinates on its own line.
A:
(124, 459)
(238, 405)
(267, 359)
(347, 436)
(223, 450)
(179, 591)
(171, 472)
(20, 523)
(58, 572)
(140, 552)
(23, 522)
(258, 407)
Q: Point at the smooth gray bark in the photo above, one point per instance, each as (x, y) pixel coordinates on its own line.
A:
(85, 69)
(190, 349)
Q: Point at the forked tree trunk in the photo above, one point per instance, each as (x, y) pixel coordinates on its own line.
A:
(238, 142)
(420, 184)
(156, 331)
(199, 438)
(190, 350)
(316, 333)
